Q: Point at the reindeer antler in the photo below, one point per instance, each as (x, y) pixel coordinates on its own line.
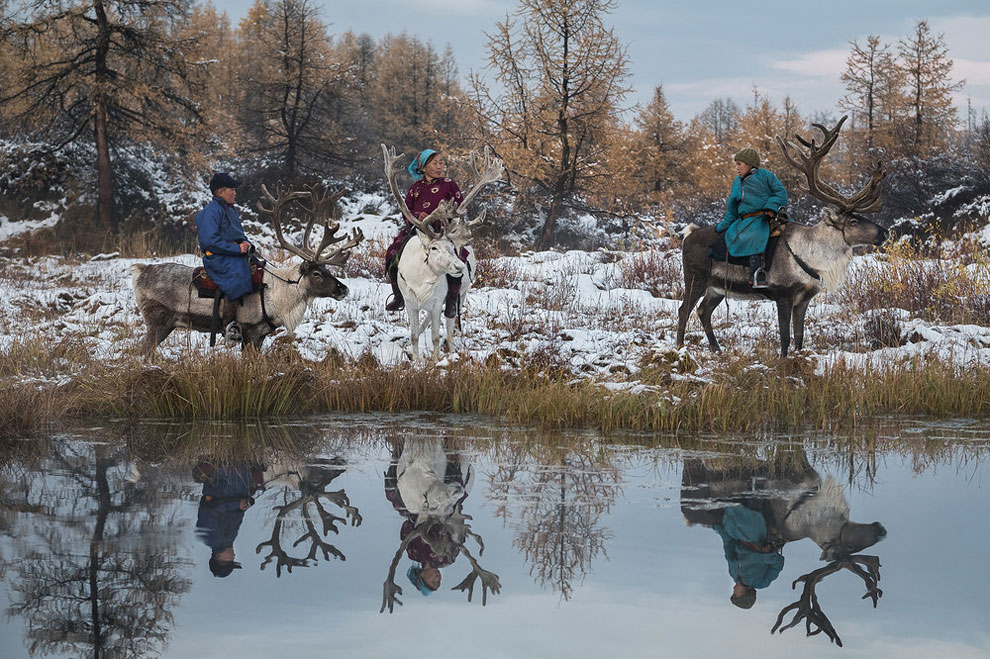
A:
(329, 520)
(807, 605)
(490, 172)
(323, 205)
(867, 200)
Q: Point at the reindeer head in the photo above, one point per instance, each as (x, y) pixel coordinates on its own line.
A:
(844, 216)
(853, 537)
(856, 230)
(316, 204)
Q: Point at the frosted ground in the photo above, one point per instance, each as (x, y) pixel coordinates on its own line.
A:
(569, 306)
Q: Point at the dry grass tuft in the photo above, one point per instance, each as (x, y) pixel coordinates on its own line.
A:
(655, 271)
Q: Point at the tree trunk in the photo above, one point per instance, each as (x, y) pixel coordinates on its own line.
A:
(103, 165)
(104, 168)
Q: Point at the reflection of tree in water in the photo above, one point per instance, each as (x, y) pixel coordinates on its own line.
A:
(96, 571)
(558, 497)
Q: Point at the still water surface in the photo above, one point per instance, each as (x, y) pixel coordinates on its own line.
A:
(127, 542)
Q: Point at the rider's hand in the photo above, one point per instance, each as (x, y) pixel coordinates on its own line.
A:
(245, 247)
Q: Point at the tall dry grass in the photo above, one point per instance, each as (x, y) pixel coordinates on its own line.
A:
(749, 393)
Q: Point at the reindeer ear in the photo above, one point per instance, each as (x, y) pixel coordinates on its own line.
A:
(305, 268)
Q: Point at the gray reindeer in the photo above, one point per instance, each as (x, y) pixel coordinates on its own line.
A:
(794, 503)
(168, 299)
(807, 260)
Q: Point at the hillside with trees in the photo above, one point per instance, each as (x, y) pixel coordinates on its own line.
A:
(114, 112)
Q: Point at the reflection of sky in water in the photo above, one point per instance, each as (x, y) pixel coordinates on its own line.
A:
(663, 589)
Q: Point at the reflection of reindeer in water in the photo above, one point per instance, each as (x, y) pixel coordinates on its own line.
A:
(309, 482)
(795, 503)
(428, 486)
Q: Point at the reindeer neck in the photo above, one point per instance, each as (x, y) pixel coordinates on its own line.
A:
(823, 247)
(286, 298)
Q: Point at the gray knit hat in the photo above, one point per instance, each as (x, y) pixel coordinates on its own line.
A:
(748, 156)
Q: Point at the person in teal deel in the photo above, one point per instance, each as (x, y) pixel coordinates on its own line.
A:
(754, 200)
(753, 560)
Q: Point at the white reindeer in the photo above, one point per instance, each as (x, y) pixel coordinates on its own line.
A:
(432, 253)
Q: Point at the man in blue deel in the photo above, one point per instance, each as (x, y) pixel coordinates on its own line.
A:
(225, 248)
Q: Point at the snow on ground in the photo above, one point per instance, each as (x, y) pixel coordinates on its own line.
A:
(565, 306)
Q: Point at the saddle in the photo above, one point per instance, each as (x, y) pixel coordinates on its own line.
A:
(720, 252)
(207, 288)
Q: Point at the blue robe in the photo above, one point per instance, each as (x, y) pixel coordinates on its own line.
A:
(752, 568)
(220, 235)
(759, 190)
(220, 515)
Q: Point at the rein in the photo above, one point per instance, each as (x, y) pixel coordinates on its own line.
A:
(294, 282)
(814, 274)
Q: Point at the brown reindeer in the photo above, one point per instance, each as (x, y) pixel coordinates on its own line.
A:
(167, 298)
(808, 259)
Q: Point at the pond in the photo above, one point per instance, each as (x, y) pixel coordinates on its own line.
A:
(329, 535)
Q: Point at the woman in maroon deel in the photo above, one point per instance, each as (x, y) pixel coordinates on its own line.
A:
(429, 188)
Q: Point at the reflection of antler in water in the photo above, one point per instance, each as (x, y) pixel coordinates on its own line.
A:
(456, 529)
(283, 559)
(807, 606)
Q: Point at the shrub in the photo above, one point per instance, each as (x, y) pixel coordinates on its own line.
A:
(654, 271)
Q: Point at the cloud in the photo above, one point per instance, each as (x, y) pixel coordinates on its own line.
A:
(972, 71)
(818, 64)
(966, 36)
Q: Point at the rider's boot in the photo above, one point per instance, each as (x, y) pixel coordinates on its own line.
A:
(453, 297)
(231, 330)
(396, 303)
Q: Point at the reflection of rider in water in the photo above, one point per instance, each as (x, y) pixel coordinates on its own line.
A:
(753, 560)
(226, 495)
(426, 484)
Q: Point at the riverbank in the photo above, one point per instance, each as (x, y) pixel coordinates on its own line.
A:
(42, 387)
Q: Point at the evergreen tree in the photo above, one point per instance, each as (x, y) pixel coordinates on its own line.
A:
(925, 61)
(103, 72)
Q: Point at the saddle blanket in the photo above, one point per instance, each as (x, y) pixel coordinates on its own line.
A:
(207, 288)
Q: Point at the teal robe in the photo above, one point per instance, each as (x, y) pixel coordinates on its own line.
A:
(748, 567)
(759, 190)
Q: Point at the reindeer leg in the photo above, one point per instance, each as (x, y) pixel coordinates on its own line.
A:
(693, 290)
(435, 331)
(153, 338)
(412, 310)
(784, 324)
(708, 306)
(448, 339)
(797, 321)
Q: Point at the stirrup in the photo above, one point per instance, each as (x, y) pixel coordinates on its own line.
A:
(760, 278)
(232, 332)
(395, 304)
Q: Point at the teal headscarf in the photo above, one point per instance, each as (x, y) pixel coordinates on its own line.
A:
(415, 576)
(419, 162)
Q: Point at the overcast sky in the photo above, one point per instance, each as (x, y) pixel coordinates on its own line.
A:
(707, 49)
